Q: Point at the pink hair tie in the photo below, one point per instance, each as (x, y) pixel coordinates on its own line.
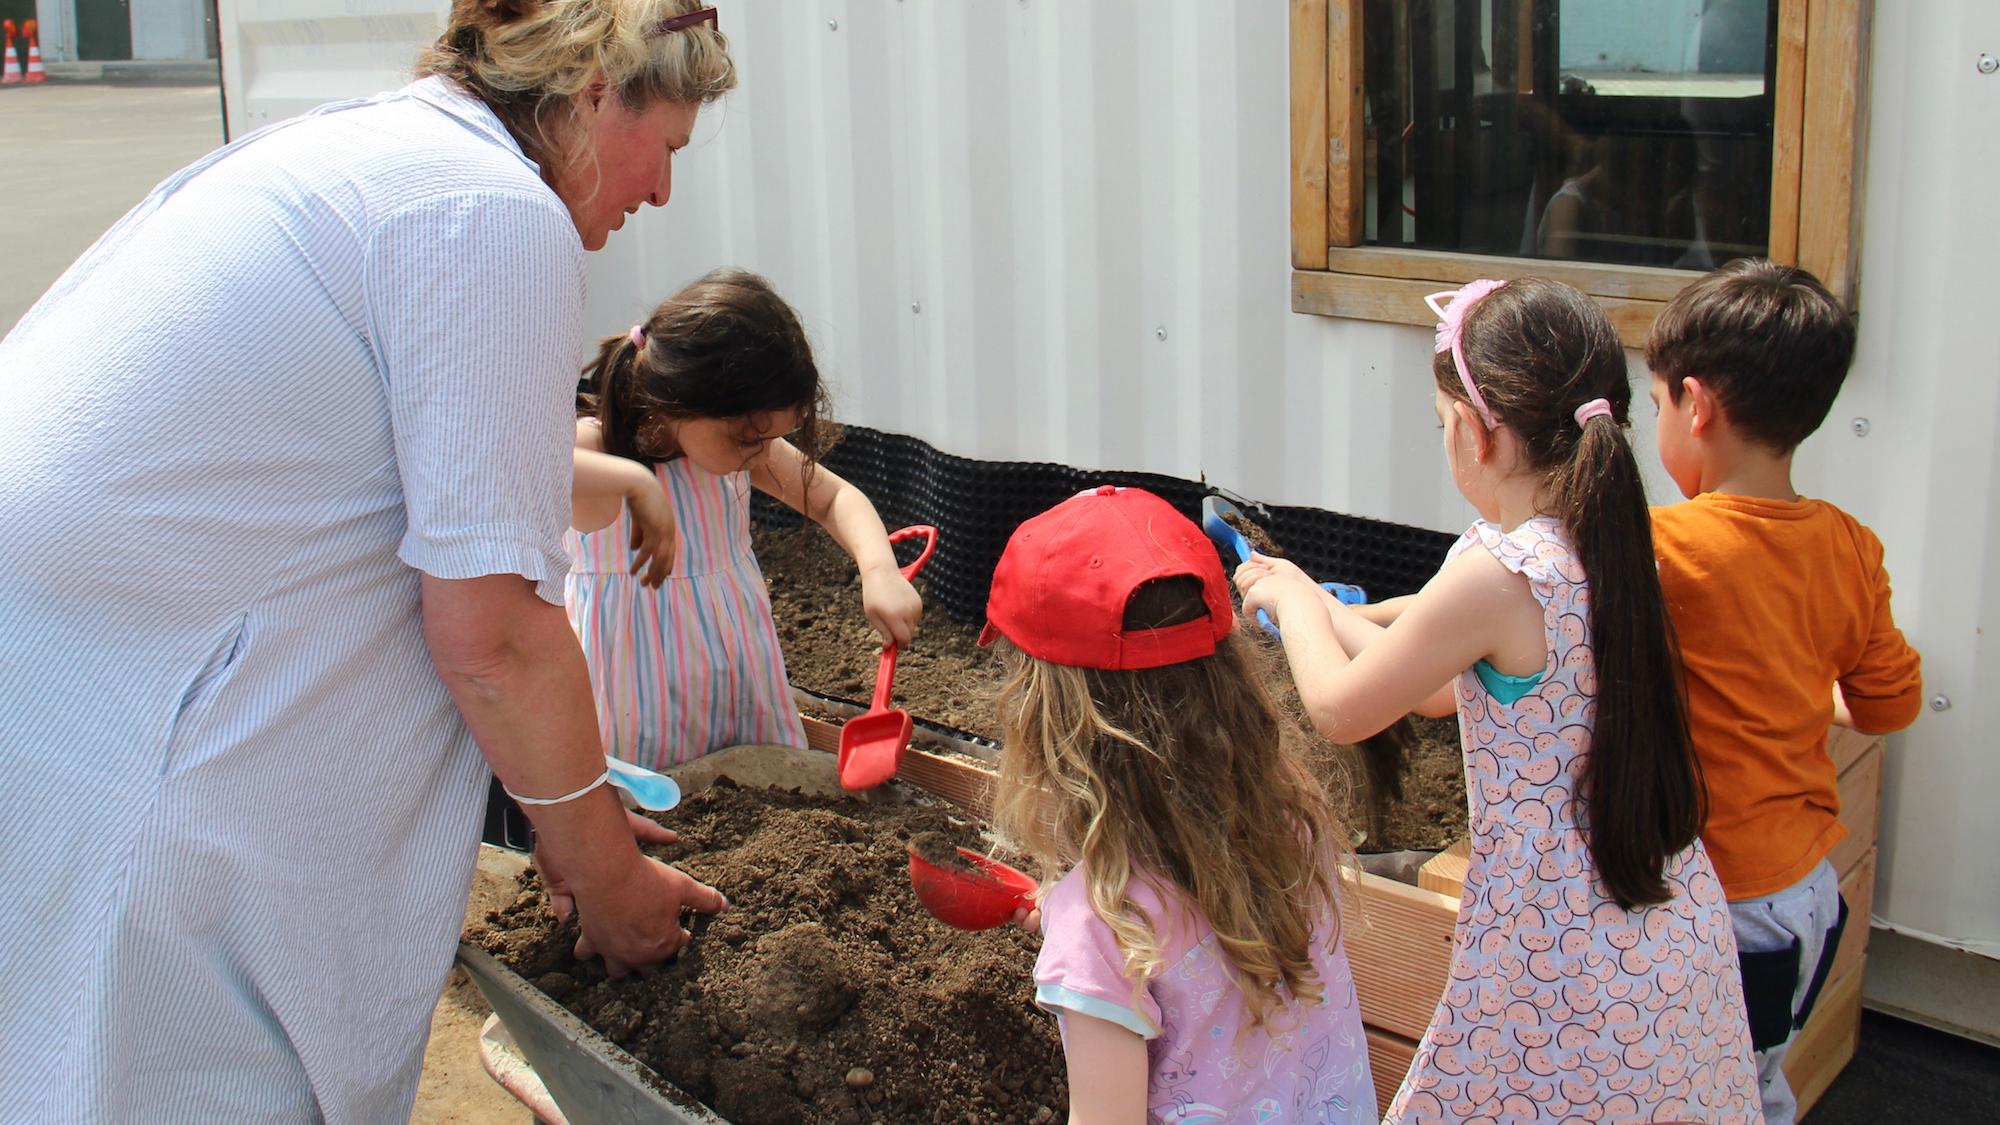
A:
(1451, 332)
(1595, 408)
(638, 337)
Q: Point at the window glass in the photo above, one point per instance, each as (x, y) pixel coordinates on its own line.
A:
(1623, 131)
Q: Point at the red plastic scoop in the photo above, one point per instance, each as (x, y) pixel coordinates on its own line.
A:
(984, 896)
(871, 744)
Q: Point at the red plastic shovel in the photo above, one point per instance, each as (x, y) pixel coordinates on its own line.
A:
(978, 899)
(871, 744)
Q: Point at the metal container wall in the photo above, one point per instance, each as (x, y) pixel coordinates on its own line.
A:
(1041, 230)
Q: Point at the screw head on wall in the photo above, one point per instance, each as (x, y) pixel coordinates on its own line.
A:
(1859, 426)
(833, 25)
(1988, 64)
(1161, 332)
(1940, 703)
(916, 306)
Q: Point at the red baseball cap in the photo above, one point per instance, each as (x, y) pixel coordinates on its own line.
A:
(1062, 584)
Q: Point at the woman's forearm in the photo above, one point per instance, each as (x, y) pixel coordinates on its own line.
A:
(515, 671)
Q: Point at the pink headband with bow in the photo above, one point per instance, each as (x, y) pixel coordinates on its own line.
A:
(1451, 333)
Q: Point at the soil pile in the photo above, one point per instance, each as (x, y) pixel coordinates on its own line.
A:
(825, 993)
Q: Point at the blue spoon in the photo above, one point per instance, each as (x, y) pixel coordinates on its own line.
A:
(654, 792)
(1215, 513)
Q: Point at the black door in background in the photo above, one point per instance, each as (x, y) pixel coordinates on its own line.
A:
(103, 29)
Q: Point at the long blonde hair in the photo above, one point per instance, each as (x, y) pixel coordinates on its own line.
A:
(1192, 775)
(528, 59)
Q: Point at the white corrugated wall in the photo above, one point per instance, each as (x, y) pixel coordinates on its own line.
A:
(1058, 230)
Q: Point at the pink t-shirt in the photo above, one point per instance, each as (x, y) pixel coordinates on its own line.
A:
(1312, 1066)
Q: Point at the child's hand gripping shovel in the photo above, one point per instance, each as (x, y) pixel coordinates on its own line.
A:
(971, 891)
(871, 744)
(1215, 513)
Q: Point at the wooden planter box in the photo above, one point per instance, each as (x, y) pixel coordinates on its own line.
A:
(1399, 936)
(1827, 1042)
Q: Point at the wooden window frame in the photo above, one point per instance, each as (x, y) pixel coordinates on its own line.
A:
(1819, 137)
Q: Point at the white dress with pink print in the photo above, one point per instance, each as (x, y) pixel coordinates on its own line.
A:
(1561, 1006)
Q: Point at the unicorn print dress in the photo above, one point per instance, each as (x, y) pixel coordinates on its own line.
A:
(694, 665)
(1561, 1006)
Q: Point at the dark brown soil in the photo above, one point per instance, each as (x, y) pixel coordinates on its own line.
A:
(825, 993)
(947, 678)
(941, 851)
(1260, 540)
(830, 648)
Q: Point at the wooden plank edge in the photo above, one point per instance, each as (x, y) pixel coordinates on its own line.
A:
(1846, 746)
(1309, 74)
(1389, 1058)
(1787, 131)
(1346, 129)
(1445, 871)
(1401, 301)
(967, 784)
(1857, 886)
(1644, 283)
(1399, 945)
(1826, 1044)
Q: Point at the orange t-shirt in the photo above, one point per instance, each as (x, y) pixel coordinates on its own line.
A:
(1773, 602)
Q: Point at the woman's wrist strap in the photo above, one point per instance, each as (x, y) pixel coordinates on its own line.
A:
(602, 778)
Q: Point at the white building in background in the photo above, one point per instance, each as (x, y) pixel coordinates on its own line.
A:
(121, 30)
(1057, 230)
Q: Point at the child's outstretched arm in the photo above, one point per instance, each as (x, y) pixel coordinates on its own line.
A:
(893, 606)
(1108, 1069)
(604, 484)
(1474, 609)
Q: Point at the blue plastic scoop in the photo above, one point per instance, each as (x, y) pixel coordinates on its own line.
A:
(654, 792)
(1215, 514)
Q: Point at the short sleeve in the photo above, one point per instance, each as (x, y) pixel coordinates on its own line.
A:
(475, 307)
(1081, 969)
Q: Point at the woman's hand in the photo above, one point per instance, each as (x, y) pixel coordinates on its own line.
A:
(652, 530)
(893, 606)
(644, 830)
(635, 921)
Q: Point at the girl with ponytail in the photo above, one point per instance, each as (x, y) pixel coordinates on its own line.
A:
(712, 395)
(1593, 970)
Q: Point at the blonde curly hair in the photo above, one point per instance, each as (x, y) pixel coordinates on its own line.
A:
(529, 59)
(1193, 775)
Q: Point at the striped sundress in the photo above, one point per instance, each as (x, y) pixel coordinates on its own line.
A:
(694, 665)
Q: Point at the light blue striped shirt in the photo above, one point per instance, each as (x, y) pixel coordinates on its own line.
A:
(237, 804)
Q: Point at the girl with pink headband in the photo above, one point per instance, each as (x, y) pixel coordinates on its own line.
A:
(1593, 970)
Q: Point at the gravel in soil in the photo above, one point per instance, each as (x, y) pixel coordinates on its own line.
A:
(825, 993)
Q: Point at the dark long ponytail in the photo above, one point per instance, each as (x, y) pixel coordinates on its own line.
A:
(1538, 350)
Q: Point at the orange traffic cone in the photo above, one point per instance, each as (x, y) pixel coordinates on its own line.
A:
(35, 71)
(11, 72)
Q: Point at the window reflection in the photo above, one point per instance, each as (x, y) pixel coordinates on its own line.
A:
(1624, 131)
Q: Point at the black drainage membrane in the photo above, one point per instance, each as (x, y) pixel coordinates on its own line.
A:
(976, 505)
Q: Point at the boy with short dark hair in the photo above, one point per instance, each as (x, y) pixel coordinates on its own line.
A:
(1781, 605)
